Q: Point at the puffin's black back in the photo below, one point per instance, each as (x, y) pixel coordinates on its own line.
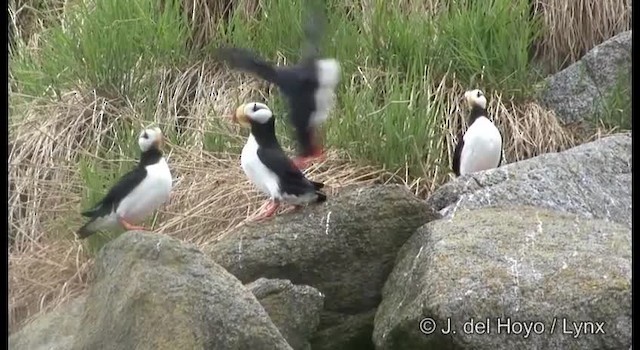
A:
(271, 154)
(127, 183)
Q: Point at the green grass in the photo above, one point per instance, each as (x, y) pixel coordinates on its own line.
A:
(482, 44)
(616, 110)
(390, 108)
(488, 43)
(112, 47)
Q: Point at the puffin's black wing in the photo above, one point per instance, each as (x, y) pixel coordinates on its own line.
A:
(292, 180)
(501, 150)
(124, 186)
(246, 60)
(457, 153)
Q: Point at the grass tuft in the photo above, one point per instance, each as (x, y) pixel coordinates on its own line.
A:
(571, 28)
(111, 46)
(616, 111)
(487, 44)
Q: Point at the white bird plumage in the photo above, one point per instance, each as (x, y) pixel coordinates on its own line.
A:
(481, 146)
(138, 193)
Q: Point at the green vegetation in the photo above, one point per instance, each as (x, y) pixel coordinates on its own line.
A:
(616, 111)
(400, 68)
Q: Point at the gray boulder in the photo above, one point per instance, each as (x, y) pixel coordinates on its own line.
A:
(593, 180)
(344, 331)
(294, 309)
(506, 268)
(582, 89)
(345, 248)
(155, 292)
(54, 330)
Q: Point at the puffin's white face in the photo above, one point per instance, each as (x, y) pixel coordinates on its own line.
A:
(252, 111)
(150, 138)
(476, 98)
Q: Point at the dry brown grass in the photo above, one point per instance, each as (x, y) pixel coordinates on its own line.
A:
(47, 266)
(29, 17)
(205, 15)
(528, 129)
(572, 27)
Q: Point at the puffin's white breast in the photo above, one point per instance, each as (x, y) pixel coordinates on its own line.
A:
(482, 147)
(149, 195)
(259, 175)
(328, 74)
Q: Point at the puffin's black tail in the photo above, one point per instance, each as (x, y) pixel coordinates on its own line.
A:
(85, 231)
(321, 196)
(90, 213)
(246, 60)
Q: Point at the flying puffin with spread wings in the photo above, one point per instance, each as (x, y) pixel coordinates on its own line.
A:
(267, 166)
(137, 193)
(480, 148)
(309, 86)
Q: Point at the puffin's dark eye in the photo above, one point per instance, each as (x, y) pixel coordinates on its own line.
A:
(145, 135)
(255, 107)
(479, 93)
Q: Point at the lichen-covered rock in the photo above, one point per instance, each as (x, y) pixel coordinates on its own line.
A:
(344, 331)
(520, 265)
(155, 292)
(345, 248)
(54, 330)
(294, 309)
(593, 180)
(580, 90)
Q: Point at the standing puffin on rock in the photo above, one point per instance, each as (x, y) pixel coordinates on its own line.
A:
(137, 193)
(267, 166)
(308, 86)
(481, 146)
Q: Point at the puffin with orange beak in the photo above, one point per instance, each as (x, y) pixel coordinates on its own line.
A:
(267, 166)
(308, 86)
(137, 194)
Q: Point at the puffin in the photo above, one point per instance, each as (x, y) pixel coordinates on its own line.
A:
(308, 86)
(480, 148)
(266, 165)
(137, 193)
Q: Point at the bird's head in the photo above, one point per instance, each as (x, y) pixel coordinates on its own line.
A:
(475, 98)
(150, 138)
(252, 112)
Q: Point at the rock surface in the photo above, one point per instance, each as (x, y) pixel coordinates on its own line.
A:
(294, 309)
(579, 91)
(593, 180)
(345, 248)
(521, 264)
(155, 292)
(344, 331)
(54, 330)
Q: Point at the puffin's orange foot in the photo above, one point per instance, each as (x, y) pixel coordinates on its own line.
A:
(129, 227)
(304, 162)
(319, 155)
(268, 211)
